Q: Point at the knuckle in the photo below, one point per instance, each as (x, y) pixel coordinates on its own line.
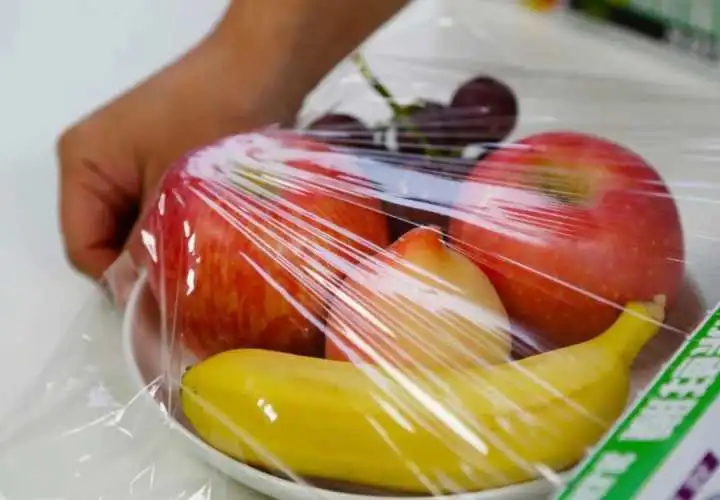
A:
(66, 143)
(72, 142)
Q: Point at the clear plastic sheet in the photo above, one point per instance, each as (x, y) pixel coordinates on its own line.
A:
(457, 298)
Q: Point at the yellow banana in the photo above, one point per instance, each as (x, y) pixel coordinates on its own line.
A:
(418, 432)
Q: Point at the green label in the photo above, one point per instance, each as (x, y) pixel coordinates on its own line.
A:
(690, 26)
(701, 16)
(635, 448)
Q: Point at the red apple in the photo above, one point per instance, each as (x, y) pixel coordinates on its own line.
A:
(246, 237)
(569, 227)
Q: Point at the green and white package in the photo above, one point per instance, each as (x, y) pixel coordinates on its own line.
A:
(667, 447)
(690, 26)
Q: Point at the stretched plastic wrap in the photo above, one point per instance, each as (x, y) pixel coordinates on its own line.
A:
(452, 283)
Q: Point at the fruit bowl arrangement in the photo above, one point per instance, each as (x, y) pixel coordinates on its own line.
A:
(416, 307)
(144, 348)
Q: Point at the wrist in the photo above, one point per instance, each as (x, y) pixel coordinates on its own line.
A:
(243, 85)
(288, 46)
(259, 45)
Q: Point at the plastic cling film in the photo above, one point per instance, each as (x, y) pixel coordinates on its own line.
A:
(452, 284)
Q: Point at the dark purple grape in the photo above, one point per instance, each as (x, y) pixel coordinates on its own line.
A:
(336, 120)
(484, 110)
(423, 129)
(344, 130)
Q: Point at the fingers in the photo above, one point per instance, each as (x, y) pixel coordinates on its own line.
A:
(99, 190)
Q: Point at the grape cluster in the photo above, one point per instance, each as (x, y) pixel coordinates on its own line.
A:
(428, 136)
(482, 111)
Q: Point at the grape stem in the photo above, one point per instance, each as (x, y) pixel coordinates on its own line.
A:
(398, 110)
(376, 84)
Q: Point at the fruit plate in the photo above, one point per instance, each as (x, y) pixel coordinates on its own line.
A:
(147, 363)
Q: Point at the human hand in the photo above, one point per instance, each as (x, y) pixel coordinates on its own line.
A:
(113, 159)
(253, 70)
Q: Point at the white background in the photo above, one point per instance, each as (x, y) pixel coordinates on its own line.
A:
(60, 59)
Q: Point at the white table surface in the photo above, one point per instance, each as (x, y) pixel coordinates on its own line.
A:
(60, 59)
(57, 61)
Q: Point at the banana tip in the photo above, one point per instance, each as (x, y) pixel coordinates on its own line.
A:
(656, 309)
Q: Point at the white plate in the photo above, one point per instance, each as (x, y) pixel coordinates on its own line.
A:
(146, 363)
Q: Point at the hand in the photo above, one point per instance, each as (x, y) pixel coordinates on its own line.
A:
(112, 160)
(254, 69)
